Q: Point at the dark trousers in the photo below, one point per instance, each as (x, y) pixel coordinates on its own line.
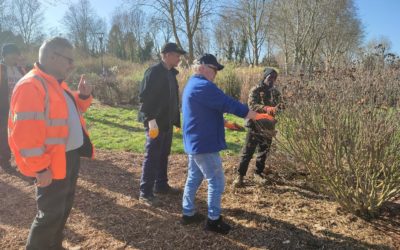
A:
(254, 140)
(54, 204)
(155, 164)
(5, 153)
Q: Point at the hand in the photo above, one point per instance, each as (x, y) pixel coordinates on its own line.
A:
(84, 88)
(44, 179)
(153, 129)
(260, 116)
(251, 115)
(177, 130)
(270, 110)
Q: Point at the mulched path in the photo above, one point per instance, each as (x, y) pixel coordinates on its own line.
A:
(108, 215)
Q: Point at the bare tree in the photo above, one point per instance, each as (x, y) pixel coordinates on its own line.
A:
(132, 20)
(376, 52)
(230, 36)
(254, 17)
(3, 15)
(309, 31)
(131, 24)
(83, 24)
(184, 17)
(27, 19)
(161, 33)
(201, 42)
(343, 32)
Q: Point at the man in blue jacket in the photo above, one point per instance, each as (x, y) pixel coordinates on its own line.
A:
(203, 106)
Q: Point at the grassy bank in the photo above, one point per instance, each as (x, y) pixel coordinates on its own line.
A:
(117, 129)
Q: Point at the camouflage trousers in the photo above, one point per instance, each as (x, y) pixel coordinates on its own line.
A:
(254, 141)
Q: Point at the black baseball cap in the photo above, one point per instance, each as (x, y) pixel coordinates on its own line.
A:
(211, 60)
(9, 48)
(172, 47)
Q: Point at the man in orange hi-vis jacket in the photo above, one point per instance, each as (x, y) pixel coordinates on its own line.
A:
(47, 135)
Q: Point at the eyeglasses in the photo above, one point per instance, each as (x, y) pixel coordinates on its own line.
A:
(213, 68)
(70, 60)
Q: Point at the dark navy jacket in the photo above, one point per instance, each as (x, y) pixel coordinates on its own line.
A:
(159, 97)
(203, 106)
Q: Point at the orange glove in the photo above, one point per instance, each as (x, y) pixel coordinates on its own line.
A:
(153, 129)
(260, 116)
(270, 110)
(233, 126)
(230, 125)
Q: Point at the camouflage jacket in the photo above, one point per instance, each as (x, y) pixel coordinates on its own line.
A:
(261, 96)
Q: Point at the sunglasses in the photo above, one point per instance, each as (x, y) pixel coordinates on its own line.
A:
(213, 68)
(70, 60)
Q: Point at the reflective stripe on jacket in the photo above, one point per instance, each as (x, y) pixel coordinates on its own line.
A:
(38, 123)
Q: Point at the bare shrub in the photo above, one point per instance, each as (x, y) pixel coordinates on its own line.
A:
(345, 132)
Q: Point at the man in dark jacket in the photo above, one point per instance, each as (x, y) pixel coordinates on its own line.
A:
(159, 112)
(263, 98)
(10, 73)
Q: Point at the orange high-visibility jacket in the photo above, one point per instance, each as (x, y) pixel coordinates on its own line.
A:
(38, 124)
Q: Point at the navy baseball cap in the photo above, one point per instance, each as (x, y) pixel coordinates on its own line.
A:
(172, 47)
(211, 60)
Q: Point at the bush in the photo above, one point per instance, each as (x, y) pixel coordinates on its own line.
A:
(119, 83)
(347, 137)
(229, 82)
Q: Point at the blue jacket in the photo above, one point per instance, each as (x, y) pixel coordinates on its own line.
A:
(203, 106)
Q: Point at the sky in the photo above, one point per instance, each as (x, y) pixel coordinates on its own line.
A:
(380, 18)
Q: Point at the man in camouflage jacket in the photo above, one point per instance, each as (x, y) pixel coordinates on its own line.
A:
(263, 98)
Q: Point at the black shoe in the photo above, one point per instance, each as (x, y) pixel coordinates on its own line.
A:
(218, 226)
(196, 218)
(150, 200)
(238, 182)
(166, 190)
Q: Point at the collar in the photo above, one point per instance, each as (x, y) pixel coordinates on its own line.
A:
(39, 69)
(172, 70)
(262, 85)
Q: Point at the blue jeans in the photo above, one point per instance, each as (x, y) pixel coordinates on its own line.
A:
(208, 166)
(154, 169)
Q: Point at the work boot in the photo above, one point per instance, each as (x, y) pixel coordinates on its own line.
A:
(260, 179)
(218, 226)
(196, 218)
(238, 182)
(166, 190)
(149, 200)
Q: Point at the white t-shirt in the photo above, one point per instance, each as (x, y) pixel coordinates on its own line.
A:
(75, 135)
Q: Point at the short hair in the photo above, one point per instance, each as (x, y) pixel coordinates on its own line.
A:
(51, 45)
(196, 66)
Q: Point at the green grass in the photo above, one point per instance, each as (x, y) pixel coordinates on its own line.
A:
(117, 129)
